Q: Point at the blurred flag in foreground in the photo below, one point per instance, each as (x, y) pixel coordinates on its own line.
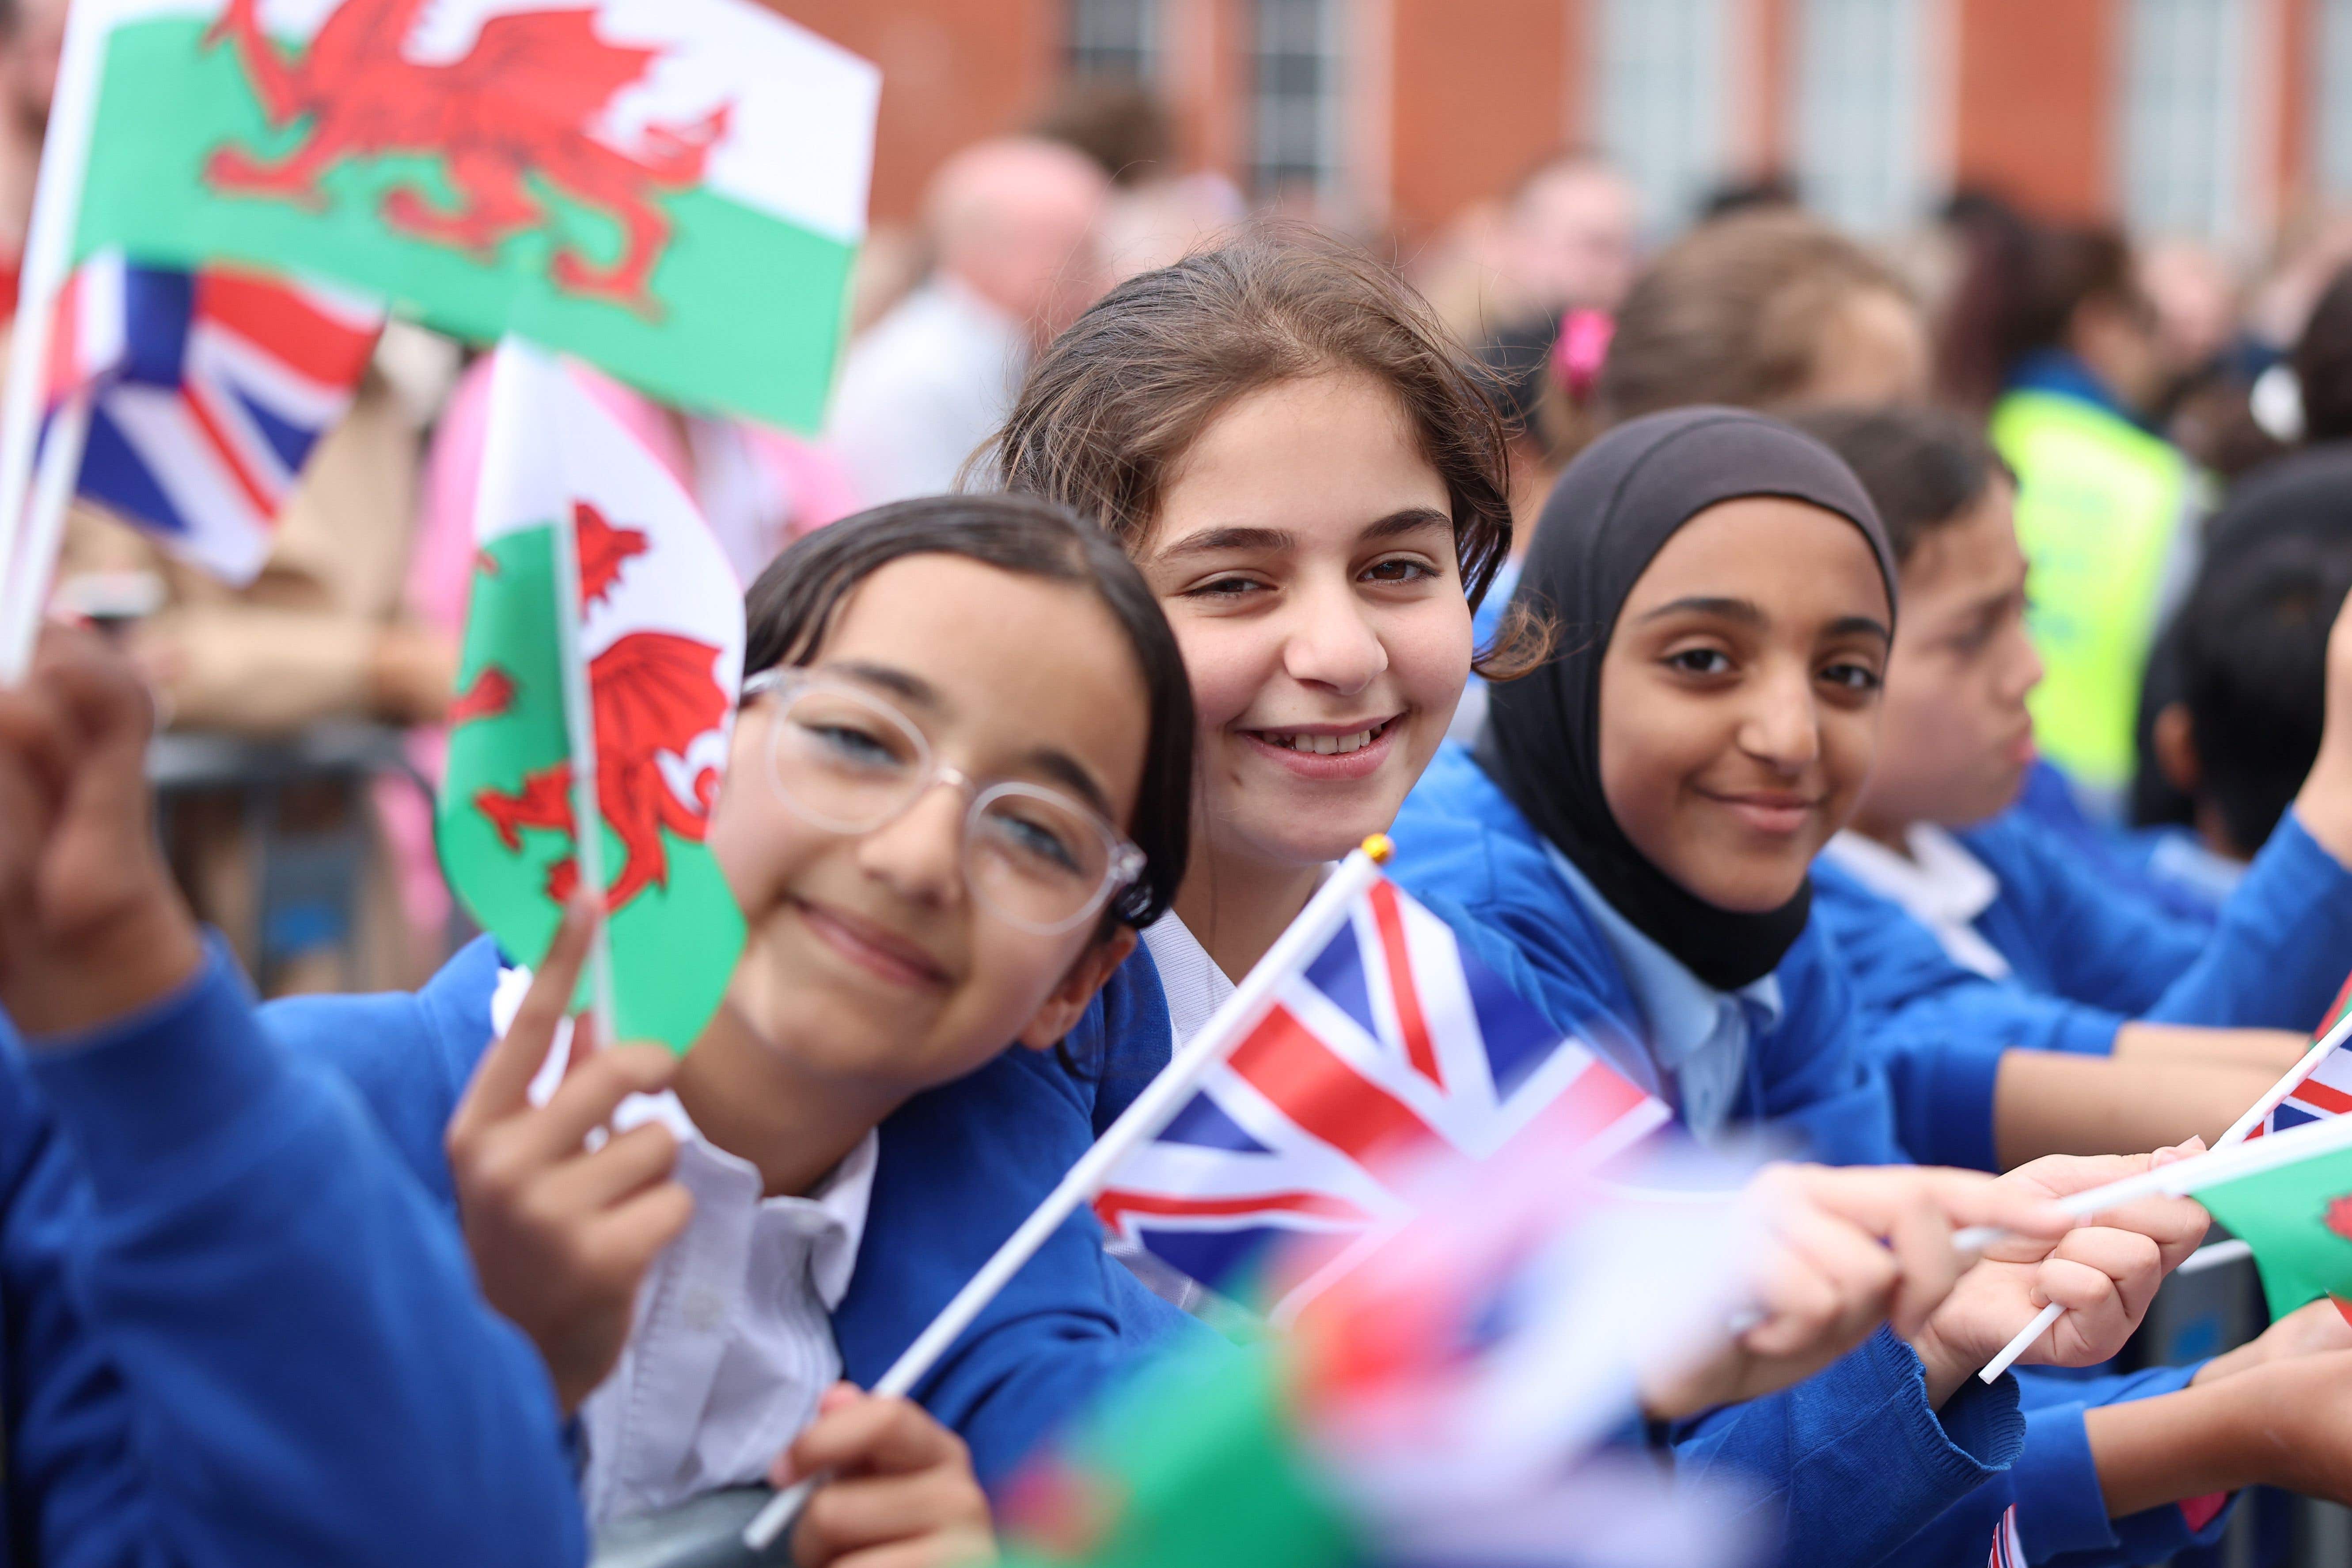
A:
(1441, 1402)
(1390, 1046)
(208, 389)
(603, 653)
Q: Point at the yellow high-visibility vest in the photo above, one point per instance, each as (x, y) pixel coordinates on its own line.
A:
(2100, 503)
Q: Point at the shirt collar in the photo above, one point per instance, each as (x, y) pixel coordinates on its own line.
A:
(833, 1214)
(1939, 884)
(1681, 1011)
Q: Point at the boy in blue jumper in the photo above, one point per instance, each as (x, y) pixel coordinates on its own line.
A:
(237, 1333)
(1997, 971)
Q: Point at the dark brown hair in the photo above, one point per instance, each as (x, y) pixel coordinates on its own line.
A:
(2021, 283)
(1925, 469)
(1115, 403)
(1735, 313)
(2323, 364)
(792, 606)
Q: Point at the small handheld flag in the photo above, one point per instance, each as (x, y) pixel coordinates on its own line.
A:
(1391, 1044)
(603, 650)
(208, 389)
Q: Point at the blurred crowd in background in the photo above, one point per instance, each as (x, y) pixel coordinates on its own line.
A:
(2140, 383)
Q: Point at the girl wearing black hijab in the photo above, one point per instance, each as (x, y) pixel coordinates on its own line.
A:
(1630, 847)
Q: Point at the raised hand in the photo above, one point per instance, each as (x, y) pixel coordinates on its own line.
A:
(560, 1234)
(91, 927)
(901, 1493)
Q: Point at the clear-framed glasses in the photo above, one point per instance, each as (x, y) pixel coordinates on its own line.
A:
(848, 761)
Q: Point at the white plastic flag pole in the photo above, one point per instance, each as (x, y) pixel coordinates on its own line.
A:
(25, 593)
(2239, 1132)
(48, 248)
(510, 428)
(1141, 1122)
(2244, 1128)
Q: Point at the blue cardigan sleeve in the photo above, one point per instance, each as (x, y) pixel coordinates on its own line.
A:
(1853, 1462)
(311, 1373)
(75, 1494)
(961, 1167)
(2274, 960)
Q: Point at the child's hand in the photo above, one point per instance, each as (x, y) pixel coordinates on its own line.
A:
(561, 1236)
(91, 927)
(901, 1493)
(1844, 1251)
(2104, 1275)
(2318, 1328)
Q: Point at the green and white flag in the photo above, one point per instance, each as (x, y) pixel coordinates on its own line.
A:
(673, 190)
(2298, 1219)
(604, 649)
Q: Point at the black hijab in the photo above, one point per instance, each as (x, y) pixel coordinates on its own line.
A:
(1610, 514)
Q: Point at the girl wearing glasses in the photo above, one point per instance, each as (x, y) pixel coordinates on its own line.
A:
(959, 782)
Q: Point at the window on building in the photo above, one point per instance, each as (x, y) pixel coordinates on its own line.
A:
(1297, 99)
(1860, 104)
(2331, 96)
(1660, 70)
(2185, 113)
(1115, 38)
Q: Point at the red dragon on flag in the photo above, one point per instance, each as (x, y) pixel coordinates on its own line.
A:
(516, 108)
(652, 692)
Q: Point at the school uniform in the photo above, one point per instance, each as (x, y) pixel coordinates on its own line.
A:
(1999, 937)
(1862, 1468)
(237, 1331)
(950, 1174)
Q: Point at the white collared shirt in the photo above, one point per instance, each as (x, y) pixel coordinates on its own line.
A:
(1697, 1035)
(732, 1344)
(1188, 978)
(1939, 884)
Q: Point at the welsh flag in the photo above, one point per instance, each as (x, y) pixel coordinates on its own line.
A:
(603, 649)
(2298, 1219)
(673, 190)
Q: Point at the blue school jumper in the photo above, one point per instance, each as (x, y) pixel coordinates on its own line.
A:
(959, 1168)
(236, 1331)
(2082, 959)
(1861, 1467)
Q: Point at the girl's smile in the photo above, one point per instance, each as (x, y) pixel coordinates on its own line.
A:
(1353, 748)
(873, 948)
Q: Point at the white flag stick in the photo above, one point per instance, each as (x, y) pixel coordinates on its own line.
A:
(25, 592)
(510, 426)
(48, 250)
(2184, 1177)
(2276, 1094)
(1142, 1120)
(2214, 1254)
(2239, 1132)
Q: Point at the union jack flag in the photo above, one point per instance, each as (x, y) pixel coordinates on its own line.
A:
(208, 389)
(2326, 1089)
(1388, 1047)
(2008, 1551)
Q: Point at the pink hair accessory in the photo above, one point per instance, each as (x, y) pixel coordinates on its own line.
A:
(1581, 350)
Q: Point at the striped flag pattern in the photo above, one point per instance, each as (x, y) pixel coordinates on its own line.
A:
(208, 388)
(1391, 1044)
(2326, 1089)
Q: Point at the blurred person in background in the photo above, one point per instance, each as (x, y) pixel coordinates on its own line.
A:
(2052, 333)
(1155, 214)
(1012, 225)
(1772, 311)
(1766, 309)
(32, 32)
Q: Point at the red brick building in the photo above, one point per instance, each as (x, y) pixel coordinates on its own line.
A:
(2205, 117)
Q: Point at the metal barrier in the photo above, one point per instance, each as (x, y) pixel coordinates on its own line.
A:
(306, 880)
